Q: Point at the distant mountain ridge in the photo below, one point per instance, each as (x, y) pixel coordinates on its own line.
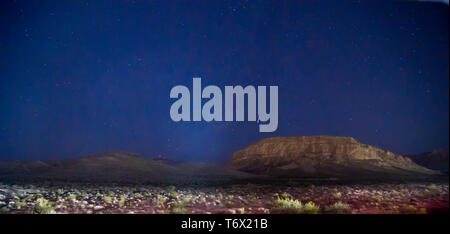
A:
(270, 158)
(120, 167)
(436, 159)
(323, 156)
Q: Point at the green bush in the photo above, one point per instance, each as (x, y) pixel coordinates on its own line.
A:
(19, 204)
(42, 206)
(337, 195)
(178, 208)
(72, 196)
(107, 199)
(310, 208)
(122, 200)
(286, 195)
(295, 206)
(171, 190)
(160, 199)
(338, 207)
(288, 206)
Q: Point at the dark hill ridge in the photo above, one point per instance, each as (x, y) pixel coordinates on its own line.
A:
(323, 156)
(436, 159)
(117, 167)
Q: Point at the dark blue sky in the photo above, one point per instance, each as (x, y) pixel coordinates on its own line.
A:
(80, 77)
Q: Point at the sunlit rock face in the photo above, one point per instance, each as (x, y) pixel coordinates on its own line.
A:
(318, 156)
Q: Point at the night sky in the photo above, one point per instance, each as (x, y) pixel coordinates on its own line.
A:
(82, 77)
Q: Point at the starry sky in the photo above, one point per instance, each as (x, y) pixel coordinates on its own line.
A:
(81, 77)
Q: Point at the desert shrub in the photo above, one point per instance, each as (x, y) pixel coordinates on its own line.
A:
(171, 190)
(178, 207)
(160, 199)
(337, 195)
(288, 206)
(122, 200)
(375, 198)
(107, 199)
(427, 191)
(432, 187)
(42, 206)
(422, 211)
(395, 192)
(411, 209)
(202, 198)
(252, 198)
(30, 197)
(229, 201)
(72, 196)
(310, 208)
(110, 193)
(20, 203)
(338, 207)
(423, 193)
(286, 195)
(187, 198)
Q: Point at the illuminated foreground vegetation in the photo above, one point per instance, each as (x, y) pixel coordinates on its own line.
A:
(235, 199)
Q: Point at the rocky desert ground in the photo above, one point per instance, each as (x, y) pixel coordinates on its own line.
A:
(407, 198)
(302, 175)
